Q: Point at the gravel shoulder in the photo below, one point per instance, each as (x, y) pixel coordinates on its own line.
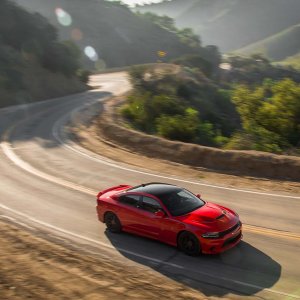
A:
(32, 267)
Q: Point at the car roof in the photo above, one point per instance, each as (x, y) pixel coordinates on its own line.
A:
(155, 188)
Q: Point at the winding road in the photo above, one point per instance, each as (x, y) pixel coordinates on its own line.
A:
(49, 181)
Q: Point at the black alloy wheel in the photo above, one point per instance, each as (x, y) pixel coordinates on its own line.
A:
(189, 244)
(112, 222)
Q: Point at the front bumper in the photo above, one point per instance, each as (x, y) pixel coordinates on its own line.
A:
(215, 246)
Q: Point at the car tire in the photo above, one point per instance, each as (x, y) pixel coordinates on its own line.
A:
(189, 244)
(112, 222)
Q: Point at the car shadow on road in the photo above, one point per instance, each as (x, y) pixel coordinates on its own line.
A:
(241, 271)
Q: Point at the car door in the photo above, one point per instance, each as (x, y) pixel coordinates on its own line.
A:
(150, 224)
(164, 228)
(129, 213)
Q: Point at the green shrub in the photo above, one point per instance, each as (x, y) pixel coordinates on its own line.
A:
(83, 75)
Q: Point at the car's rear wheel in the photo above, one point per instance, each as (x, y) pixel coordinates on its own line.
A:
(112, 222)
(189, 244)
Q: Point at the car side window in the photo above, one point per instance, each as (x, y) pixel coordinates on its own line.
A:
(131, 200)
(150, 204)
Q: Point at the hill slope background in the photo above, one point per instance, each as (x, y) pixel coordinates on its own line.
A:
(119, 37)
(293, 61)
(33, 64)
(231, 24)
(277, 47)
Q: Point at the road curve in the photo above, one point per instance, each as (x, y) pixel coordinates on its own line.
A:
(47, 180)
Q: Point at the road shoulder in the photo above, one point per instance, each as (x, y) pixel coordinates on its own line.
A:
(32, 267)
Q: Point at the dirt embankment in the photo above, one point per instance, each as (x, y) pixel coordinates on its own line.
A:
(34, 268)
(249, 163)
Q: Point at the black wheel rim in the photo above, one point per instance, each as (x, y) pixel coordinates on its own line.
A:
(188, 244)
(111, 222)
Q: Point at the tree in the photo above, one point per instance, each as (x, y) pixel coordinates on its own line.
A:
(281, 113)
(270, 114)
(248, 103)
(181, 104)
(188, 37)
(179, 127)
(195, 61)
(162, 21)
(255, 69)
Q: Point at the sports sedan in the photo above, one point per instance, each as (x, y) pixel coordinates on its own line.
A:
(170, 214)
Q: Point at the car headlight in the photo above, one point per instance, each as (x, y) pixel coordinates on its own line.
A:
(211, 235)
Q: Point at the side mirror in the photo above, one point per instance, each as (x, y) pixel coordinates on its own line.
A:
(160, 214)
(198, 196)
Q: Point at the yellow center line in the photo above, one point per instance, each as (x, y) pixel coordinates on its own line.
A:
(271, 232)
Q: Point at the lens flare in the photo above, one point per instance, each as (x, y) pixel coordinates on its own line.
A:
(63, 17)
(76, 34)
(91, 53)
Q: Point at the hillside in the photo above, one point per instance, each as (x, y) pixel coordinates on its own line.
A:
(277, 47)
(233, 24)
(33, 64)
(119, 37)
(293, 61)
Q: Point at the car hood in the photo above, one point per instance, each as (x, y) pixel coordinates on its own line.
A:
(211, 216)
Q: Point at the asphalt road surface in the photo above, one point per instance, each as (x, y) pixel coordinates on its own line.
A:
(49, 181)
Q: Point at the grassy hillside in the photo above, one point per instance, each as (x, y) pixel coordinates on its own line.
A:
(119, 36)
(33, 64)
(233, 24)
(277, 47)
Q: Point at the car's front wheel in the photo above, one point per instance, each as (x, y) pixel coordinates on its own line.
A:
(189, 244)
(112, 222)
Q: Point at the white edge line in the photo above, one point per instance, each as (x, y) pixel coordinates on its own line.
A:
(55, 133)
(10, 154)
(121, 250)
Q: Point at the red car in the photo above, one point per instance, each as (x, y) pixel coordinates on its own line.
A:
(170, 214)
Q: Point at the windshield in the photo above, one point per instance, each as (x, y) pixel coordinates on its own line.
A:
(181, 202)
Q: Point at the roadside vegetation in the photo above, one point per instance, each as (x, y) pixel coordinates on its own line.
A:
(251, 104)
(181, 105)
(186, 35)
(270, 115)
(34, 65)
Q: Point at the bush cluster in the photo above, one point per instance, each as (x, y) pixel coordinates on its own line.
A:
(184, 104)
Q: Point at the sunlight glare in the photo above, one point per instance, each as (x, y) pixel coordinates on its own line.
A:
(63, 17)
(91, 53)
